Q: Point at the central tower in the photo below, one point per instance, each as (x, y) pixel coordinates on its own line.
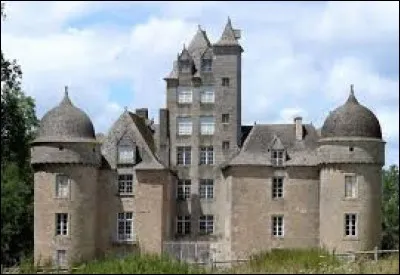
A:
(204, 119)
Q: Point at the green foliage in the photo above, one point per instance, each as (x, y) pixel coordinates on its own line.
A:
(390, 208)
(18, 123)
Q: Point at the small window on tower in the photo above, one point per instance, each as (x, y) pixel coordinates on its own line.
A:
(206, 65)
(225, 81)
(225, 118)
(225, 145)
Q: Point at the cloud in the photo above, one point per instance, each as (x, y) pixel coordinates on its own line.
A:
(300, 57)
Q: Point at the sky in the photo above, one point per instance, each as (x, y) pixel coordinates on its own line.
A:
(299, 57)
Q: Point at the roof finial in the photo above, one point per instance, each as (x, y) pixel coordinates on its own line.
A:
(199, 27)
(66, 90)
(126, 108)
(184, 46)
(352, 89)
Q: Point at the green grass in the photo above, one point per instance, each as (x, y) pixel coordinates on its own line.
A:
(284, 261)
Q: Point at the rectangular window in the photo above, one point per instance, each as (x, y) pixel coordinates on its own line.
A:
(206, 190)
(126, 153)
(184, 126)
(277, 157)
(207, 125)
(184, 155)
(185, 96)
(206, 65)
(206, 224)
(277, 187)
(351, 225)
(277, 226)
(62, 186)
(225, 145)
(125, 226)
(225, 81)
(225, 118)
(350, 186)
(207, 155)
(207, 96)
(183, 225)
(184, 189)
(125, 184)
(61, 258)
(61, 224)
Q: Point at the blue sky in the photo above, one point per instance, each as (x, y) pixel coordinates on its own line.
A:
(300, 57)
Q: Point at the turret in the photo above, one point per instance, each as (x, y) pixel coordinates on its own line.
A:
(351, 153)
(65, 159)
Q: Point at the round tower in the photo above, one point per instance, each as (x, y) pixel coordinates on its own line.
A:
(351, 152)
(65, 157)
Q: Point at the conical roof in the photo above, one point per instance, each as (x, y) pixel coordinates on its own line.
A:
(66, 123)
(351, 120)
(228, 36)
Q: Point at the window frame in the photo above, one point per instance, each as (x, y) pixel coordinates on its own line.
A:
(183, 223)
(184, 189)
(184, 126)
(122, 217)
(206, 155)
(352, 226)
(206, 222)
(207, 96)
(57, 258)
(276, 160)
(185, 96)
(225, 82)
(207, 125)
(186, 153)
(125, 183)
(206, 65)
(206, 189)
(66, 189)
(62, 224)
(277, 187)
(278, 226)
(224, 148)
(354, 186)
(126, 142)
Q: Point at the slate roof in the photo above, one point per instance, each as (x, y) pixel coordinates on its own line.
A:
(257, 145)
(199, 43)
(228, 35)
(351, 120)
(144, 130)
(66, 123)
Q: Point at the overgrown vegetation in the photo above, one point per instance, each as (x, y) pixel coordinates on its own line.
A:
(285, 261)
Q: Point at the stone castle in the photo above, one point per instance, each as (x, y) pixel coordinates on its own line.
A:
(199, 178)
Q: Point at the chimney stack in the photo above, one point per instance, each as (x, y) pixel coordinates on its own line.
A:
(143, 112)
(299, 127)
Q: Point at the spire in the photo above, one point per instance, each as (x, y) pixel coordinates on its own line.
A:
(352, 98)
(66, 99)
(229, 35)
(199, 42)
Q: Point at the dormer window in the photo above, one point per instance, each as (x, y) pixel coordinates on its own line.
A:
(206, 65)
(277, 157)
(185, 66)
(126, 152)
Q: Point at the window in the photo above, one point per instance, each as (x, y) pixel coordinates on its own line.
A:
(207, 155)
(184, 126)
(185, 96)
(351, 225)
(183, 225)
(207, 96)
(207, 125)
(184, 155)
(225, 82)
(184, 66)
(62, 186)
(206, 65)
(277, 157)
(277, 187)
(184, 189)
(277, 226)
(350, 186)
(125, 184)
(206, 189)
(61, 257)
(62, 224)
(125, 226)
(206, 224)
(126, 153)
(225, 145)
(225, 118)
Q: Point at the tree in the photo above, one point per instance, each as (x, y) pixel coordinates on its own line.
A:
(390, 208)
(18, 124)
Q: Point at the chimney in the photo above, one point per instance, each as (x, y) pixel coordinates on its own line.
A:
(299, 127)
(143, 112)
(164, 137)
